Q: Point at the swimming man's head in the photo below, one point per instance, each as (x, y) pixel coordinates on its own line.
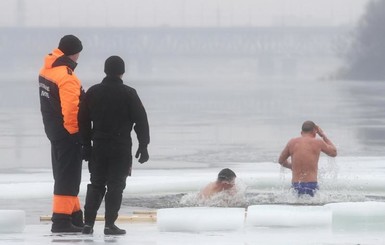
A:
(308, 126)
(226, 174)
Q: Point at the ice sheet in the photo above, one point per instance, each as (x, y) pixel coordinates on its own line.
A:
(288, 216)
(31, 190)
(199, 219)
(358, 215)
(148, 234)
(12, 221)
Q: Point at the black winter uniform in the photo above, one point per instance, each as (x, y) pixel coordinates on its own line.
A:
(107, 115)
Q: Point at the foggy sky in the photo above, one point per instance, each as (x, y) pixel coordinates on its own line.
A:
(143, 13)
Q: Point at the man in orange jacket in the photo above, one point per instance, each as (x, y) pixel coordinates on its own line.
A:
(60, 94)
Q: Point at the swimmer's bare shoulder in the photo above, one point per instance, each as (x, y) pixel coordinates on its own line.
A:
(207, 191)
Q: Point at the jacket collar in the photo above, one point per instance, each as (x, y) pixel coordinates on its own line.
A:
(65, 61)
(112, 80)
(57, 58)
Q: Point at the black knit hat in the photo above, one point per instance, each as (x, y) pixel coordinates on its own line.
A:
(114, 65)
(69, 45)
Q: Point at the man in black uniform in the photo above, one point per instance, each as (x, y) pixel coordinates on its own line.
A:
(106, 117)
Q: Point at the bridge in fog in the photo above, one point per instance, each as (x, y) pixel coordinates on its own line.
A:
(151, 49)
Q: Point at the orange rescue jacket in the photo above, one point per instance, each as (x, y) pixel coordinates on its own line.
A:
(60, 94)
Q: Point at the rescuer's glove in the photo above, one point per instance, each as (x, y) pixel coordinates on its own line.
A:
(142, 154)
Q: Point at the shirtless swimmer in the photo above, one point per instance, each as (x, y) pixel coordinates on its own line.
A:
(304, 154)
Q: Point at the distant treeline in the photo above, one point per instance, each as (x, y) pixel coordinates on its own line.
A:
(365, 59)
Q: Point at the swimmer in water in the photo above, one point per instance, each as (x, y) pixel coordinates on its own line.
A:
(304, 154)
(224, 182)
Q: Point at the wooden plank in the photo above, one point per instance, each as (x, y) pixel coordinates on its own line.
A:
(122, 218)
(144, 212)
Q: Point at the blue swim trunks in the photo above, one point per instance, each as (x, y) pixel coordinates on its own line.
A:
(305, 188)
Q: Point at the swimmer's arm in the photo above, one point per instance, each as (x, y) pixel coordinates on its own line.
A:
(327, 145)
(286, 164)
(283, 158)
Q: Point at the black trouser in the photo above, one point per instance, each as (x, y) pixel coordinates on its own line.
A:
(67, 166)
(67, 170)
(109, 166)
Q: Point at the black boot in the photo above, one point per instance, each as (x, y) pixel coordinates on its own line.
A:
(88, 229)
(62, 223)
(94, 199)
(113, 230)
(77, 218)
(113, 201)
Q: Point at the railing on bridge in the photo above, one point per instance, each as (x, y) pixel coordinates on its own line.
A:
(144, 47)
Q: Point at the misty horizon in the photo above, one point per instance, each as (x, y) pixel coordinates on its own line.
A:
(179, 13)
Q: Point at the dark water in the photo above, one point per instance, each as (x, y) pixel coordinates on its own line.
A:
(217, 120)
(251, 120)
(43, 206)
(176, 200)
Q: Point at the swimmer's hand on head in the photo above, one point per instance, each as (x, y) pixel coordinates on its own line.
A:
(320, 132)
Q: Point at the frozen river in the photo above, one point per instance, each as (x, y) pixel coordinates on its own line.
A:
(199, 127)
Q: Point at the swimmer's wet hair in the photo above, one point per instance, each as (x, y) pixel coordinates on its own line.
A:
(226, 174)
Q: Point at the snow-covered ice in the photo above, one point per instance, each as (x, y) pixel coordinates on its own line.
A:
(12, 221)
(288, 216)
(197, 219)
(36, 201)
